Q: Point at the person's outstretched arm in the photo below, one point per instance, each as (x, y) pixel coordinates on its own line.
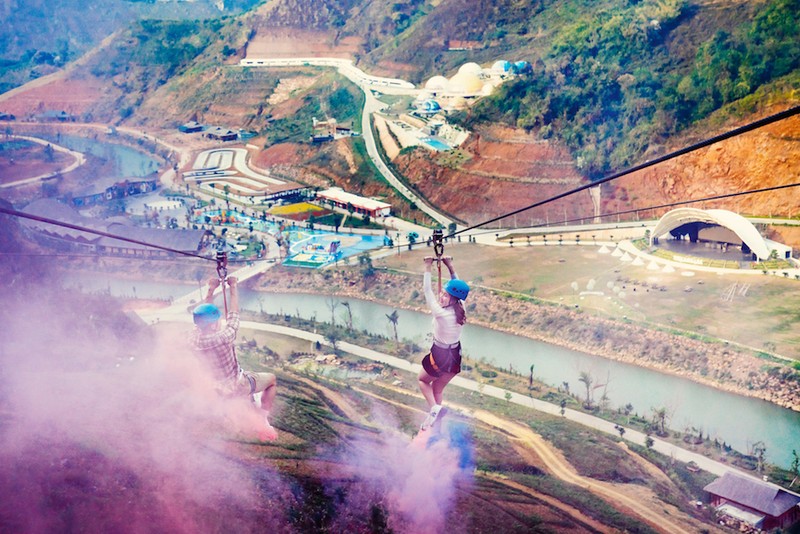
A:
(213, 284)
(448, 261)
(233, 283)
(430, 298)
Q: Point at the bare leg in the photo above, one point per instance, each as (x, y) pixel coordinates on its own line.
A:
(439, 384)
(269, 393)
(426, 382)
(269, 383)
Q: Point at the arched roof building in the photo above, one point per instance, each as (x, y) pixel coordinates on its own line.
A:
(692, 221)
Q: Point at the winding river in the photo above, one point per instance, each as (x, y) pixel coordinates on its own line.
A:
(737, 420)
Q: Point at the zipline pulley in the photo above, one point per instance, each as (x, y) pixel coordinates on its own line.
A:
(438, 245)
(438, 250)
(222, 265)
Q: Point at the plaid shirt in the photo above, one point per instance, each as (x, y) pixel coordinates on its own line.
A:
(216, 349)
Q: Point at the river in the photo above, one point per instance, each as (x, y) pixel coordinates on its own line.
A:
(737, 420)
(127, 162)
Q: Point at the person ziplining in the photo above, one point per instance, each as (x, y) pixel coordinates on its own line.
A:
(443, 361)
(214, 345)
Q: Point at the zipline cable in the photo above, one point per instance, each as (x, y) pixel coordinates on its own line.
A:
(691, 148)
(17, 213)
(659, 206)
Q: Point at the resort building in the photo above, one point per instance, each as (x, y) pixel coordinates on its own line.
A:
(64, 238)
(107, 190)
(338, 198)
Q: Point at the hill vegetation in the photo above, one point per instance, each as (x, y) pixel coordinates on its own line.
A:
(611, 85)
(40, 36)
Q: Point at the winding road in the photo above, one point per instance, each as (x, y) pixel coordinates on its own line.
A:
(370, 85)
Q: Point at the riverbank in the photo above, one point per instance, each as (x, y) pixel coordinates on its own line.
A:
(714, 364)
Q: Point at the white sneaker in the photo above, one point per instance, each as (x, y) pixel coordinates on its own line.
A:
(431, 419)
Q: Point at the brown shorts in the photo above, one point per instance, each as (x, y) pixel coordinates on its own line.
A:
(440, 360)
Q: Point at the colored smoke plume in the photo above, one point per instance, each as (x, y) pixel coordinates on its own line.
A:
(415, 482)
(108, 427)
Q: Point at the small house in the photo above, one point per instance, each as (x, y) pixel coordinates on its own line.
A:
(190, 127)
(761, 505)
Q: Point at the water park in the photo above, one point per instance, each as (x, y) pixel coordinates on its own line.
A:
(305, 247)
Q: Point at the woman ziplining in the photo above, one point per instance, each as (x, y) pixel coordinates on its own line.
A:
(443, 361)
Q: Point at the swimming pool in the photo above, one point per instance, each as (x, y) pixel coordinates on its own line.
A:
(436, 144)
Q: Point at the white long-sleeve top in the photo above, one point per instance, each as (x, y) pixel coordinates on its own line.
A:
(445, 326)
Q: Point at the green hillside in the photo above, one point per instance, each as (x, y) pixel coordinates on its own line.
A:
(41, 36)
(613, 82)
(610, 79)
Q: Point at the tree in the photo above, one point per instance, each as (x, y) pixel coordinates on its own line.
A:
(795, 467)
(332, 337)
(332, 303)
(393, 318)
(587, 380)
(530, 378)
(349, 315)
(660, 418)
(760, 452)
(508, 396)
(227, 190)
(367, 270)
(628, 410)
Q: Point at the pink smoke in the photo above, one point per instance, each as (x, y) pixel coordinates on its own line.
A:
(106, 430)
(415, 481)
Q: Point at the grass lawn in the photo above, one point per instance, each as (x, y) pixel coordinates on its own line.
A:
(756, 310)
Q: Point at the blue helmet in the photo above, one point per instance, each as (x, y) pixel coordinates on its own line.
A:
(457, 288)
(206, 314)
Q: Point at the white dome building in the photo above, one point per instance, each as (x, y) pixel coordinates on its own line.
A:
(501, 67)
(437, 83)
(465, 84)
(471, 68)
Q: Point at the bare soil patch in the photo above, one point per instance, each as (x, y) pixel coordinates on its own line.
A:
(271, 42)
(76, 97)
(766, 157)
(26, 160)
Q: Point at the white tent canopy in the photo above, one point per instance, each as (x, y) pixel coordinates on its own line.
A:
(743, 228)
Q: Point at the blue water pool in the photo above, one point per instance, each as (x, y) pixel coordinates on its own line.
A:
(436, 144)
(307, 248)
